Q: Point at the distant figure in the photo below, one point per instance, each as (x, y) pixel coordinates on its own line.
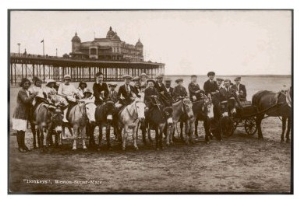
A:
(143, 81)
(179, 90)
(219, 83)
(113, 95)
(194, 89)
(240, 89)
(100, 89)
(210, 86)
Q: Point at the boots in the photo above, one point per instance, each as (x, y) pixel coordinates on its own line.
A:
(22, 134)
(19, 140)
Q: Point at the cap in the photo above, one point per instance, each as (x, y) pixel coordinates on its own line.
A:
(237, 79)
(227, 80)
(193, 76)
(126, 76)
(179, 80)
(67, 76)
(136, 78)
(220, 79)
(159, 76)
(112, 85)
(211, 73)
(150, 80)
(143, 74)
(98, 74)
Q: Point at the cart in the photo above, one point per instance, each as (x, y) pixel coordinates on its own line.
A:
(244, 117)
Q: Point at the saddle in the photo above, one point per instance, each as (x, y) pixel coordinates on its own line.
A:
(70, 106)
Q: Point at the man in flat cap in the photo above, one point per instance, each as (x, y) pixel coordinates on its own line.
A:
(150, 93)
(126, 92)
(240, 89)
(143, 81)
(179, 90)
(168, 87)
(210, 86)
(100, 89)
(161, 89)
(113, 95)
(194, 89)
(136, 86)
(219, 83)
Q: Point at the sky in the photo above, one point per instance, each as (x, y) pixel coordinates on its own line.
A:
(188, 42)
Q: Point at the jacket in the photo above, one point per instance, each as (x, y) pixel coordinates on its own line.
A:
(242, 88)
(179, 91)
(226, 94)
(193, 88)
(97, 89)
(210, 87)
(127, 96)
(113, 96)
(170, 92)
(24, 101)
(148, 93)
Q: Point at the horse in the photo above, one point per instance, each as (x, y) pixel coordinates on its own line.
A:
(183, 111)
(203, 111)
(129, 117)
(77, 120)
(48, 118)
(158, 118)
(103, 115)
(275, 105)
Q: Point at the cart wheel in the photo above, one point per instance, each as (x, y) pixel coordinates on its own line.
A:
(227, 126)
(250, 126)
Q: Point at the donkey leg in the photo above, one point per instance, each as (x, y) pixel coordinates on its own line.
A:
(181, 132)
(283, 121)
(289, 124)
(156, 139)
(206, 128)
(124, 137)
(75, 137)
(134, 136)
(196, 128)
(83, 136)
(161, 137)
(32, 126)
(100, 136)
(108, 136)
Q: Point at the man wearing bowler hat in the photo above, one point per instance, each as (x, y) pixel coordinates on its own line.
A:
(210, 86)
(179, 90)
(100, 89)
(194, 89)
(240, 89)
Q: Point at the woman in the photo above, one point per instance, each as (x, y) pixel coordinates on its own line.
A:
(21, 113)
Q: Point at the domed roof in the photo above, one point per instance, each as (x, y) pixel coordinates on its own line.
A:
(110, 33)
(139, 44)
(116, 37)
(76, 38)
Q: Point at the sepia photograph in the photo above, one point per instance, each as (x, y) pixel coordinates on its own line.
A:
(149, 101)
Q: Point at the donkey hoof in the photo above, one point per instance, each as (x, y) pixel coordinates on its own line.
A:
(74, 148)
(84, 147)
(136, 148)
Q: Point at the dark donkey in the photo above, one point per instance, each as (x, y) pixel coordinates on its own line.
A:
(103, 115)
(47, 118)
(275, 105)
(203, 111)
(158, 118)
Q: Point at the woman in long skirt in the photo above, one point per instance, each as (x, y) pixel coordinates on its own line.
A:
(21, 113)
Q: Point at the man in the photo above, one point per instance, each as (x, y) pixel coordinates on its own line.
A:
(136, 86)
(113, 95)
(150, 93)
(68, 91)
(219, 83)
(240, 89)
(210, 86)
(226, 92)
(143, 81)
(179, 90)
(168, 87)
(100, 89)
(194, 89)
(126, 92)
(161, 89)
